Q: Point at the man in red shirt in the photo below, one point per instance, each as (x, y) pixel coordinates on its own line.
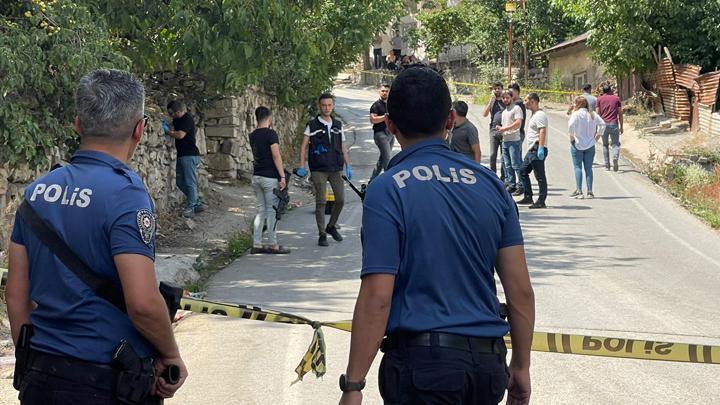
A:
(609, 107)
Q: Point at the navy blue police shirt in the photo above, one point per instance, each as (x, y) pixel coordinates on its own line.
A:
(436, 221)
(100, 208)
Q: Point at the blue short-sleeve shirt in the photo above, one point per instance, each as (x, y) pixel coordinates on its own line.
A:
(100, 208)
(436, 221)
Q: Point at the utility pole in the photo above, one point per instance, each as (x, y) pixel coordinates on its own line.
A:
(510, 51)
(510, 8)
(525, 49)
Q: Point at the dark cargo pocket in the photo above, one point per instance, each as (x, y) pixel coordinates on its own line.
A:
(498, 385)
(438, 386)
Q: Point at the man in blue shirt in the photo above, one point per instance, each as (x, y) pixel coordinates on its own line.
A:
(101, 209)
(427, 275)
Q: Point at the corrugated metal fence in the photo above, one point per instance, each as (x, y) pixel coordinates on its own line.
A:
(688, 95)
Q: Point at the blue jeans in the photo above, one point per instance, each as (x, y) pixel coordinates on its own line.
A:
(186, 169)
(583, 158)
(265, 201)
(512, 158)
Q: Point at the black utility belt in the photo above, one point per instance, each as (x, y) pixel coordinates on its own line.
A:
(100, 376)
(446, 340)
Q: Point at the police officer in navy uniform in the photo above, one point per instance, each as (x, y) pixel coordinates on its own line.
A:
(435, 227)
(101, 209)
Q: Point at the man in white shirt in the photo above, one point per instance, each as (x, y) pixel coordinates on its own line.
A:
(512, 119)
(537, 152)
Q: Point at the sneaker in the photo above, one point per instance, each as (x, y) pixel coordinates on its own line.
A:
(519, 192)
(322, 240)
(537, 205)
(607, 167)
(334, 233)
(590, 195)
(526, 200)
(576, 194)
(188, 213)
(200, 208)
(615, 165)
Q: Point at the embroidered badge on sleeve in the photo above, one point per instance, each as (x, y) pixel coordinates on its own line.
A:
(146, 225)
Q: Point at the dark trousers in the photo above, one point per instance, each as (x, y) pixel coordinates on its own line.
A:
(438, 375)
(384, 141)
(531, 163)
(319, 181)
(45, 389)
(495, 145)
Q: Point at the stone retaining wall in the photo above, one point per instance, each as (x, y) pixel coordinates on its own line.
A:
(229, 121)
(223, 128)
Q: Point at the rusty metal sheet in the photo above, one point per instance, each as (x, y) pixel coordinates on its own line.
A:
(685, 75)
(676, 103)
(709, 83)
(665, 75)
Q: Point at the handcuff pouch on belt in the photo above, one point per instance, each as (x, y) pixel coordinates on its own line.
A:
(135, 376)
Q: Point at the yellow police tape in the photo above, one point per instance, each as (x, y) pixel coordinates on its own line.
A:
(314, 358)
(569, 93)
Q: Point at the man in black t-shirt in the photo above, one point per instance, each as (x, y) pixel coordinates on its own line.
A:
(495, 105)
(188, 156)
(382, 137)
(268, 175)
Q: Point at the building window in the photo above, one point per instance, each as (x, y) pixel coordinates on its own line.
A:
(579, 80)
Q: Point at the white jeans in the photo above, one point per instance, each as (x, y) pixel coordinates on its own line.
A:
(264, 202)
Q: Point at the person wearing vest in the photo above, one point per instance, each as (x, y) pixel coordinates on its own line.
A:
(324, 150)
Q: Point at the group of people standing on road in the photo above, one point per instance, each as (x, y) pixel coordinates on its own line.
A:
(591, 118)
(510, 132)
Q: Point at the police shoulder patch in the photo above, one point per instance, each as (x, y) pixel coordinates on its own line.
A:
(146, 225)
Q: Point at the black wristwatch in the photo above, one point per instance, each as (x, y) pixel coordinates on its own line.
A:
(347, 386)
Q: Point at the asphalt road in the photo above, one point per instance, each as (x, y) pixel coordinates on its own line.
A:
(630, 263)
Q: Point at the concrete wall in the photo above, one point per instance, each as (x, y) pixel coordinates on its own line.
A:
(572, 61)
(709, 120)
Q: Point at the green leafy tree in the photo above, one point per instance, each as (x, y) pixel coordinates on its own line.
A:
(290, 48)
(625, 34)
(45, 47)
(483, 24)
(443, 27)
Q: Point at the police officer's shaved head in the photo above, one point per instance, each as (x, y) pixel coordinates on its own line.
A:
(109, 104)
(419, 103)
